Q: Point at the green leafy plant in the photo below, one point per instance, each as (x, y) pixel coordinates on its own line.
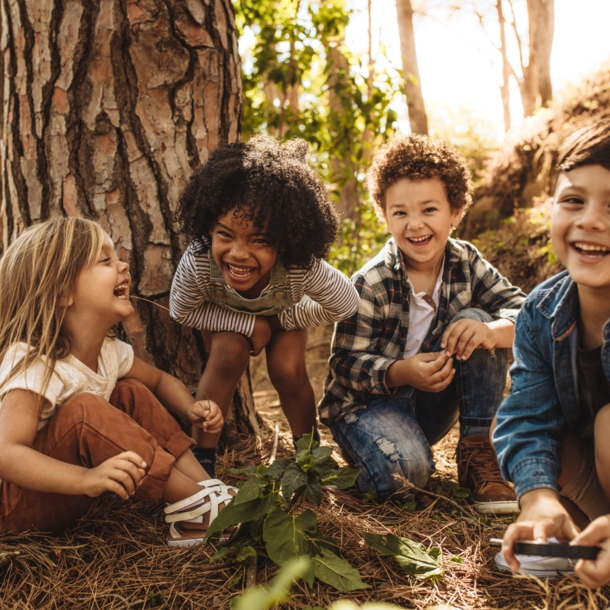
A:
(411, 556)
(269, 507)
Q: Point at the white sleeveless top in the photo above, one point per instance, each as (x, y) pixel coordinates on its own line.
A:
(70, 376)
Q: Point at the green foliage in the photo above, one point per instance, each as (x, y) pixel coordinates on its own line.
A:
(300, 80)
(263, 598)
(266, 507)
(411, 556)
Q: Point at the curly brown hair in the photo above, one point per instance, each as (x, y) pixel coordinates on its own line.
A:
(269, 184)
(418, 157)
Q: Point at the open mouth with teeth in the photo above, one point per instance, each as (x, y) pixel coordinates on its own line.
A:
(240, 273)
(591, 250)
(122, 291)
(419, 241)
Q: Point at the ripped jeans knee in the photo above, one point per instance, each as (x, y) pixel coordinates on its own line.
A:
(387, 445)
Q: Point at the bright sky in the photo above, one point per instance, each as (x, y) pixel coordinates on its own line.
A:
(454, 54)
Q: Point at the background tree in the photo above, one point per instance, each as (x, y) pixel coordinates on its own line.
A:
(418, 119)
(109, 106)
(533, 72)
(300, 80)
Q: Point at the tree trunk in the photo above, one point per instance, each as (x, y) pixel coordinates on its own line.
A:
(418, 119)
(342, 166)
(544, 43)
(109, 107)
(506, 70)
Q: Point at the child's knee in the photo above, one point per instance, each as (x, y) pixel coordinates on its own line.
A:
(288, 373)
(230, 351)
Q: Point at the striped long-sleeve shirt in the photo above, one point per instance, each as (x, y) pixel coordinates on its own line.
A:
(332, 297)
(365, 345)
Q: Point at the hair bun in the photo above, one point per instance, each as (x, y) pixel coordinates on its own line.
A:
(296, 148)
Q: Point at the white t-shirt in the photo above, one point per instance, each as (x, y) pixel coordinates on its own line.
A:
(70, 375)
(421, 315)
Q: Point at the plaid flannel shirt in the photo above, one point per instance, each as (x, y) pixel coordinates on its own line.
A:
(365, 345)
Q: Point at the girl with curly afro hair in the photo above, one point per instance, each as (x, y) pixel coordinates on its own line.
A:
(260, 223)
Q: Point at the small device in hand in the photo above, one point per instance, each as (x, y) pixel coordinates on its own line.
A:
(551, 549)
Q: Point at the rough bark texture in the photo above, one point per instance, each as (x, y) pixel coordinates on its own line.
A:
(418, 119)
(108, 108)
(506, 70)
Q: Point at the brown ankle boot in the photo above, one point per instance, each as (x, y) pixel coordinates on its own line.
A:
(478, 470)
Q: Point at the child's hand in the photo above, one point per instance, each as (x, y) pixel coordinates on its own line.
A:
(595, 573)
(206, 414)
(430, 372)
(542, 516)
(464, 336)
(261, 335)
(120, 474)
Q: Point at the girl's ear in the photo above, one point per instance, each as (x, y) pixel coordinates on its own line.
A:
(66, 301)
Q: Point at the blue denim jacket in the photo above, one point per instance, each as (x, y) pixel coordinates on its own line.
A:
(544, 391)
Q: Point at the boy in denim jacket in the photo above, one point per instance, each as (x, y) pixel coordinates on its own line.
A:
(430, 339)
(552, 431)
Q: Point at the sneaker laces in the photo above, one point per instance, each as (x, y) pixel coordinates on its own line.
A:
(481, 460)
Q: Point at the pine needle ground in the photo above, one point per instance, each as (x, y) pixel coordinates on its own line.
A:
(116, 557)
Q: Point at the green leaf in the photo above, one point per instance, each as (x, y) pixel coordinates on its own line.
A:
(313, 488)
(456, 559)
(250, 490)
(337, 573)
(461, 493)
(409, 506)
(277, 469)
(322, 453)
(234, 514)
(412, 556)
(321, 541)
(245, 553)
(221, 553)
(343, 478)
(284, 534)
(260, 598)
(292, 481)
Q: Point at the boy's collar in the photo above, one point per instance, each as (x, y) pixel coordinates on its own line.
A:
(393, 258)
(560, 304)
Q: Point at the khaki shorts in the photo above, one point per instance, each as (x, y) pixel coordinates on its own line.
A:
(585, 489)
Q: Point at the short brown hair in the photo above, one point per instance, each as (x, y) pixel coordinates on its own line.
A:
(587, 146)
(419, 158)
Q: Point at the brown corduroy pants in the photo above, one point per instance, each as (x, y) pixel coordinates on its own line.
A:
(87, 430)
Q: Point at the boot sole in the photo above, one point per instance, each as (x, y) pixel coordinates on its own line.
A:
(508, 507)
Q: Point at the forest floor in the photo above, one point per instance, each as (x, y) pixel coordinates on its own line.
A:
(115, 557)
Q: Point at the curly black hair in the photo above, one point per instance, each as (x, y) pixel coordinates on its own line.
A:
(270, 185)
(418, 157)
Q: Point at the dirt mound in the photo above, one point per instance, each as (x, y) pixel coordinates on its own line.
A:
(520, 175)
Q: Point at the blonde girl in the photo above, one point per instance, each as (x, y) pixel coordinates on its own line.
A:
(79, 414)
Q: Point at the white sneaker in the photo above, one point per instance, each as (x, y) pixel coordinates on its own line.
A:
(536, 565)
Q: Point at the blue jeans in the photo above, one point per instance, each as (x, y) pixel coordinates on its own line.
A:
(393, 434)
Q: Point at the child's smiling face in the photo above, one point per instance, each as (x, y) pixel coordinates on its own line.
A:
(580, 224)
(243, 254)
(103, 288)
(420, 219)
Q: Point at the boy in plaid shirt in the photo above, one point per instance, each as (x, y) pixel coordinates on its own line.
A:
(431, 337)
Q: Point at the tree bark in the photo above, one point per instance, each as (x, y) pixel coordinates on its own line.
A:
(506, 69)
(343, 168)
(544, 43)
(418, 119)
(109, 107)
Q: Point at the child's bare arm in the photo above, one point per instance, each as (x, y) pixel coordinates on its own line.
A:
(430, 372)
(174, 396)
(30, 469)
(464, 336)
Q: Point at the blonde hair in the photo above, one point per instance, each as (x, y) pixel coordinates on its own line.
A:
(37, 272)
